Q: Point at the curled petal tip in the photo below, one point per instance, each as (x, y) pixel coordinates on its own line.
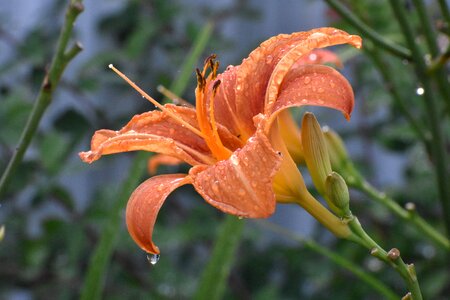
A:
(355, 41)
(87, 157)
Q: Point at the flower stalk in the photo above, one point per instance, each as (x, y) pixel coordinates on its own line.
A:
(342, 163)
(49, 84)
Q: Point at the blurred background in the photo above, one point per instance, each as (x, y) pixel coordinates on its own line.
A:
(55, 207)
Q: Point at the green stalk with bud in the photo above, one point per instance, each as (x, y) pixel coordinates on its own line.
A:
(342, 163)
(332, 186)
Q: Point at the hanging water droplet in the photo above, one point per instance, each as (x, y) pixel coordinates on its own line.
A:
(420, 91)
(153, 258)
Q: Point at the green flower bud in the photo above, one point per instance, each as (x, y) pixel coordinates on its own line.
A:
(337, 193)
(2, 232)
(336, 148)
(315, 151)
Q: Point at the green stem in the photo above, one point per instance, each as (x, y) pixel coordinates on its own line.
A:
(445, 11)
(334, 257)
(94, 281)
(410, 216)
(407, 272)
(440, 74)
(181, 82)
(60, 60)
(212, 282)
(96, 272)
(438, 144)
(368, 32)
(389, 81)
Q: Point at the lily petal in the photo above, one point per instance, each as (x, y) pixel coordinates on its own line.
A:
(144, 205)
(153, 131)
(316, 85)
(161, 159)
(242, 184)
(316, 38)
(320, 56)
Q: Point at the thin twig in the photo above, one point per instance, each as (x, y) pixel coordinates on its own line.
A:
(49, 85)
(432, 107)
(368, 32)
(334, 257)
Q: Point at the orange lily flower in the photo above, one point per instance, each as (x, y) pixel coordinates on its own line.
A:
(240, 163)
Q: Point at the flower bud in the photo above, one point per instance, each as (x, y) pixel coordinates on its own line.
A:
(2, 232)
(337, 193)
(315, 151)
(336, 148)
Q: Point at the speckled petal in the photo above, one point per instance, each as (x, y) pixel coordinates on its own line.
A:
(316, 38)
(259, 77)
(153, 131)
(316, 85)
(242, 184)
(144, 205)
(160, 159)
(320, 56)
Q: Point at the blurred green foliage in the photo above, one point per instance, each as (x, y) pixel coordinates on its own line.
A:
(52, 227)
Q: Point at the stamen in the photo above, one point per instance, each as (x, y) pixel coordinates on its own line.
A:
(172, 96)
(156, 103)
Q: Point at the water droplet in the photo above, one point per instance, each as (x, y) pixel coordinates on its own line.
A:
(307, 80)
(241, 192)
(234, 160)
(160, 187)
(238, 87)
(153, 258)
(332, 84)
(304, 101)
(320, 90)
(420, 91)
(312, 57)
(215, 187)
(269, 59)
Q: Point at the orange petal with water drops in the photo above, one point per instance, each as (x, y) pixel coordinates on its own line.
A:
(144, 205)
(153, 131)
(316, 38)
(320, 56)
(242, 184)
(316, 85)
(261, 74)
(160, 159)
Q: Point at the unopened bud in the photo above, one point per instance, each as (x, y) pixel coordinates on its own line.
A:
(337, 193)
(336, 148)
(315, 151)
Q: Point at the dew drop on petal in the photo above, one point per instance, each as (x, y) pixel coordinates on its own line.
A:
(241, 192)
(234, 160)
(269, 59)
(307, 80)
(153, 258)
(320, 90)
(238, 87)
(312, 56)
(215, 187)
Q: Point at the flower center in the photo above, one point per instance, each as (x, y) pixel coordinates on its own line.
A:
(205, 115)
